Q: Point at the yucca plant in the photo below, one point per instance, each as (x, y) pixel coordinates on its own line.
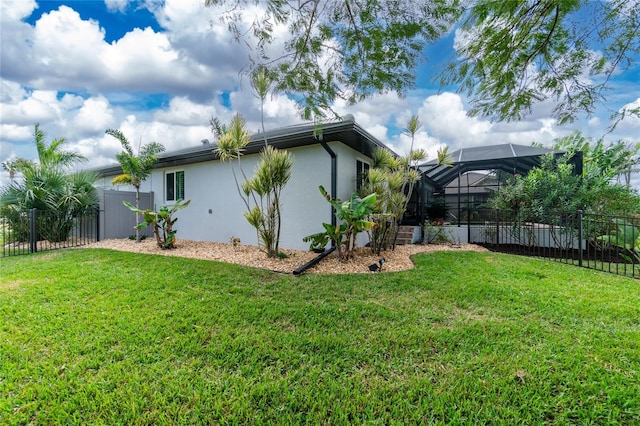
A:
(271, 175)
(261, 193)
(392, 179)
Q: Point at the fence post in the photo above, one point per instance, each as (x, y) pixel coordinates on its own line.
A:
(33, 231)
(468, 226)
(497, 227)
(580, 254)
(98, 223)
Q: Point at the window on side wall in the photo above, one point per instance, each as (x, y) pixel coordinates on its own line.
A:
(174, 185)
(362, 171)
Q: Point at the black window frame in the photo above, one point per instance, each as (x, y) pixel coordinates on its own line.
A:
(174, 182)
(362, 171)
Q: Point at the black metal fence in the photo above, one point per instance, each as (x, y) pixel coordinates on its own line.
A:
(24, 232)
(602, 242)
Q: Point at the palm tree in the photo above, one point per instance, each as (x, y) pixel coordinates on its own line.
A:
(46, 185)
(10, 166)
(413, 126)
(135, 168)
(443, 157)
(52, 156)
(261, 83)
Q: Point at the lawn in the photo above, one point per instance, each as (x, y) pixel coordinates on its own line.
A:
(106, 337)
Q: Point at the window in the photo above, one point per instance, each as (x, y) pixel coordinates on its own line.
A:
(174, 186)
(362, 171)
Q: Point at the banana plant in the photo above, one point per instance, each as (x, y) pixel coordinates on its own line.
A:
(161, 220)
(625, 236)
(353, 214)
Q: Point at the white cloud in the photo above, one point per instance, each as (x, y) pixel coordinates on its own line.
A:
(422, 140)
(64, 52)
(445, 121)
(11, 92)
(379, 108)
(94, 116)
(28, 110)
(117, 5)
(184, 112)
(15, 133)
(66, 48)
(595, 122)
(125, 60)
(630, 120)
(279, 111)
(444, 115)
(15, 10)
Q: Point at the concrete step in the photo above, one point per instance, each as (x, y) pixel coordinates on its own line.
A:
(405, 235)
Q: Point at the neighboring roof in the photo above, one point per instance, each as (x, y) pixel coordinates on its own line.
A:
(471, 183)
(470, 179)
(516, 159)
(346, 131)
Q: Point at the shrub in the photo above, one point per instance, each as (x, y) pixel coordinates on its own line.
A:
(352, 213)
(162, 222)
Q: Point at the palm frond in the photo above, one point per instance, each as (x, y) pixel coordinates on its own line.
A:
(123, 179)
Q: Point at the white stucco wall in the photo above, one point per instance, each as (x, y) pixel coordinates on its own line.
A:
(215, 212)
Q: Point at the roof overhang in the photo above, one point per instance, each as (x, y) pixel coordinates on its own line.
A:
(347, 132)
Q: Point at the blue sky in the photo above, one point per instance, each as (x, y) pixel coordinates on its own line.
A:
(158, 70)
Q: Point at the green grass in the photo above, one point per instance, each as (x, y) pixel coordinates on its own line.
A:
(103, 337)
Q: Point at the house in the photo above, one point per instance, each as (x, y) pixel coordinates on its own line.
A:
(336, 159)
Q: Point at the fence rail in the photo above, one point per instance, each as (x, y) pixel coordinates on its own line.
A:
(24, 232)
(602, 242)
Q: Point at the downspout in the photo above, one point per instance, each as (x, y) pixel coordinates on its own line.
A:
(421, 206)
(334, 194)
(314, 261)
(334, 177)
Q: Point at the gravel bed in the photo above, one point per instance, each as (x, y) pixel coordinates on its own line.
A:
(396, 260)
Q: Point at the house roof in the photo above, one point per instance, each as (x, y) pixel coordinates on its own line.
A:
(346, 131)
(512, 158)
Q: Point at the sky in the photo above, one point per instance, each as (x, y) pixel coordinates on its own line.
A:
(158, 70)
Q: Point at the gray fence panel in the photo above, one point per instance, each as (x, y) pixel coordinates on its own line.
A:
(116, 220)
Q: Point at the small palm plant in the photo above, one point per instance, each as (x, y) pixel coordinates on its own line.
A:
(135, 168)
